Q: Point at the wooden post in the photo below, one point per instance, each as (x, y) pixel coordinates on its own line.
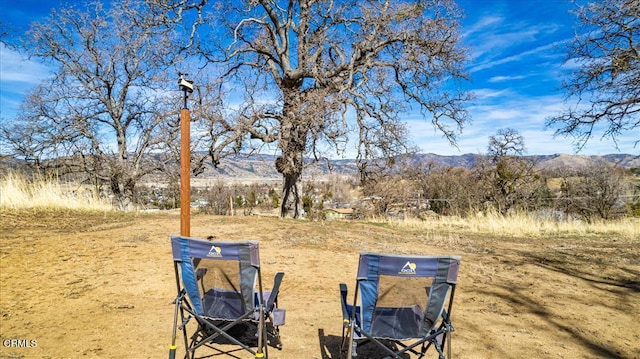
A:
(185, 172)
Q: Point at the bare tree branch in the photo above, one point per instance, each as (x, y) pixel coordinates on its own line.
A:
(606, 50)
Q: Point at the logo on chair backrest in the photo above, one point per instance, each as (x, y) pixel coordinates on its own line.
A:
(214, 252)
(409, 268)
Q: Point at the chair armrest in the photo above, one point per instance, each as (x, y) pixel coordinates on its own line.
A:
(274, 292)
(343, 301)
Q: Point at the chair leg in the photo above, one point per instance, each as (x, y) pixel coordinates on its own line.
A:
(259, 353)
(348, 345)
(273, 336)
(438, 347)
(265, 336)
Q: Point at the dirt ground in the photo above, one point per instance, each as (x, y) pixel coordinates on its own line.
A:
(101, 286)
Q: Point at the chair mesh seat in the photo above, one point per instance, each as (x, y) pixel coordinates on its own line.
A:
(397, 323)
(222, 304)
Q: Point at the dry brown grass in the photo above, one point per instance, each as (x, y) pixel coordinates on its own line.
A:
(526, 225)
(20, 192)
(46, 194)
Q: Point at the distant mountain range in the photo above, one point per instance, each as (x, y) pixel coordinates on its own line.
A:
(261, 167)
(254, 168)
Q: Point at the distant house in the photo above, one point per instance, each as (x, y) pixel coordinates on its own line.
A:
(339, 213)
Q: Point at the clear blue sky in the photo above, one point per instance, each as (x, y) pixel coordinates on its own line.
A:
(516, 68)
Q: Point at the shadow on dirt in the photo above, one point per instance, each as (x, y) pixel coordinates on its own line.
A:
(330, 348)
(611, 276)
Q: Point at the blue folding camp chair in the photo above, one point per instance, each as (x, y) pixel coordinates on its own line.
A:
(220, 287)
(402, 306)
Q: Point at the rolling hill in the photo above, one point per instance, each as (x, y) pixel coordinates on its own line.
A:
(262, 166)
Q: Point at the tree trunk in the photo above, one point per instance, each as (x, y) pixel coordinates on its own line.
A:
(123, 179)
(292, 143)
(291, 196)
(290, 165)
(123, 189)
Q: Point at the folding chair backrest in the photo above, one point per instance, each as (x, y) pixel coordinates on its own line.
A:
(402, 297)
(219, 277)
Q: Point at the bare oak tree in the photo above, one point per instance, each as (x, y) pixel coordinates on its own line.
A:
(506, 142)
(305, 74)
(606, 53)
(105, 107)
(512, 182)
(594, 192)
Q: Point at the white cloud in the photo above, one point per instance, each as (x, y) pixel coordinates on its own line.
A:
(481, 26)
(18, 75)
(496, 110)
(513, 58)
(16, 69)
(506, 78)
(483, 94)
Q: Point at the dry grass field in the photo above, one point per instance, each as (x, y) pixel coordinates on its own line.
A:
(90, 284)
